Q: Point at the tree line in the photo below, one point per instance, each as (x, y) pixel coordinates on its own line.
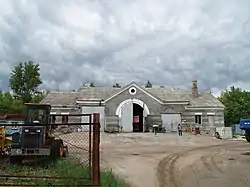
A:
(237, 104)
(25, 80)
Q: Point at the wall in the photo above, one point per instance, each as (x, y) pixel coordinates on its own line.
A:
(111, 106)
(225, 132)
(150, 120)
(112, 124)
(71, 110)
(92, 110)
(188, 116)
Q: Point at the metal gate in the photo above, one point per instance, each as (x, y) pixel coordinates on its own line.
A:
(80, 167)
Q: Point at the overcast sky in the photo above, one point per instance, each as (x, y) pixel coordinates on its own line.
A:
(169, 42)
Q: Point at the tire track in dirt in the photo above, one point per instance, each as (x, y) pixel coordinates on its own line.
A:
(168, 172)
(215, 164)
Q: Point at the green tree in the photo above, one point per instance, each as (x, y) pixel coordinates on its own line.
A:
(148, 85)
(25, 80)
(91, 84)
(8, 104)
(237, 105)
(116, 85)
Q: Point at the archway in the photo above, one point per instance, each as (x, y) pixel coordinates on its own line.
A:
(136, 101)
(137, 118)
(126, 112)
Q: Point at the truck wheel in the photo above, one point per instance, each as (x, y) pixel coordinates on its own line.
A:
(57, 149)
(248, 139)
(16, 159)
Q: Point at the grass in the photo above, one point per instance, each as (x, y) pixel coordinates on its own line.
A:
(76, 174)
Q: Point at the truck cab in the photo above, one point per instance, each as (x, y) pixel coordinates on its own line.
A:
(34, 137)
(245, 125)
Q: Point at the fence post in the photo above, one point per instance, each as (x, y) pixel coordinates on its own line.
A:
(96, 150)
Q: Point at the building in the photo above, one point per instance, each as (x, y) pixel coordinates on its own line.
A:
(133, 108)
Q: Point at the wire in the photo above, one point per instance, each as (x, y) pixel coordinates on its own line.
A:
(81, 148)
(67, 142)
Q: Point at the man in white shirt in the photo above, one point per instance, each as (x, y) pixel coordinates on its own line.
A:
(155, 128)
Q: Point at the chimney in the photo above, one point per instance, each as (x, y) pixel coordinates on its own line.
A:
(195, 92)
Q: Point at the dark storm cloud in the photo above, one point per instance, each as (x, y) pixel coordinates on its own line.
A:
(167, 42)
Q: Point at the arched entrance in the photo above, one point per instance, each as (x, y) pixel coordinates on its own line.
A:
(137, 118)
(132, 113)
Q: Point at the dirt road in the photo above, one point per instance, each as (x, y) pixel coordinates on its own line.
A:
(167, 160)
(223, 165)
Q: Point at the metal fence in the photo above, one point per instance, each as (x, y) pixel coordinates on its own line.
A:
(28, 158)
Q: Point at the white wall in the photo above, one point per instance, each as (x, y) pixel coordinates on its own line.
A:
(91, 110)
(225, 132)
(171, 121)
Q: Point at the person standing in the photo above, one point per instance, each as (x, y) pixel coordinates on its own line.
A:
(155, 128)
(180, 129)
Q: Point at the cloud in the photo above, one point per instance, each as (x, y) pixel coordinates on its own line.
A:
(167, 42)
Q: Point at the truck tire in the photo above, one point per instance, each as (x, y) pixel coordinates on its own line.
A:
(16, 159)
(248, 139)
(57, 149)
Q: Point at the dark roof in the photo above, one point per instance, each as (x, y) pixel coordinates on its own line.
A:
(165, 94)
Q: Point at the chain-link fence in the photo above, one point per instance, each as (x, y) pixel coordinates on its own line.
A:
(50, 150)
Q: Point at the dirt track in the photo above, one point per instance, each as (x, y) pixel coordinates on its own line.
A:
(167, 160)
(171, 161)
(223, 165)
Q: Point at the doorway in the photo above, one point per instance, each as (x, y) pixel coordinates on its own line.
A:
(137, 118)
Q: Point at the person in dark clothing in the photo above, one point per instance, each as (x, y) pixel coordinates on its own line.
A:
(180, 129)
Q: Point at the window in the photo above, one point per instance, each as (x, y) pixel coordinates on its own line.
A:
(53, 119)
(65, 119)
(36, 114)
(132, 90)
(198, 119)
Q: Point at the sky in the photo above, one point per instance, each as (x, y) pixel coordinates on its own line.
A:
(169, 42)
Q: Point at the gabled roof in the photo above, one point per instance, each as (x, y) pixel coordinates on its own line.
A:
(161, 95)
(133, 84)
(97, 93)
(60, 98)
